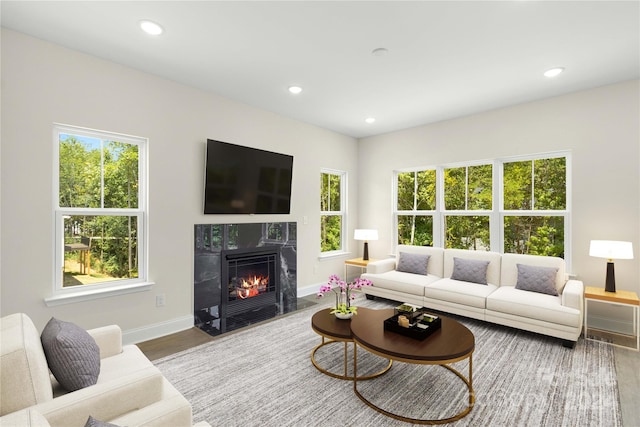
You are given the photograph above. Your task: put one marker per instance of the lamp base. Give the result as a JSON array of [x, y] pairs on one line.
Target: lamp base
[[365, 255], [610, 284]]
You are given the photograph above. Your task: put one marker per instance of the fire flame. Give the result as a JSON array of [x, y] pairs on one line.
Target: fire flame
[[252, 286]]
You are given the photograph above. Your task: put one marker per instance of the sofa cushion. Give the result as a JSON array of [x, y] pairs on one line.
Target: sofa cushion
[[493, 269], [509, 268], [470, 270], [537, 279], [413, 263], [533, 305], [24, 374], [401, 282], [465, 293], [436, 257], [72, 354]]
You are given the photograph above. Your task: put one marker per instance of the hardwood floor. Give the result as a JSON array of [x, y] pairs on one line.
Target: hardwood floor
[[174, 343]]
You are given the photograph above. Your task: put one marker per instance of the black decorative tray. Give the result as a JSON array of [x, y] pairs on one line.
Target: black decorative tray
[[420, 329]]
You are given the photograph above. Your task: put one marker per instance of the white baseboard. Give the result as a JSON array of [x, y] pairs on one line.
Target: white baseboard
[[145, 333], [309, 290], [609, 324]]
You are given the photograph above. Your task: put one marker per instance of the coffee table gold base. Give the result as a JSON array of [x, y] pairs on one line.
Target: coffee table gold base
[[458, 416], [344, 376]]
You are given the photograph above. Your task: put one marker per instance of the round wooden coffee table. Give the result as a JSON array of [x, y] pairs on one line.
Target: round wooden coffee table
[[453, 342], [333, 330]]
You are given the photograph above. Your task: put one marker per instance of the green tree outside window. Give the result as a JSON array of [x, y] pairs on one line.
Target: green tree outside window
[[331, 213]]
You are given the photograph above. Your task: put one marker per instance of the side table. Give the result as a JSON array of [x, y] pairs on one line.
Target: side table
[[619, 298], [356, 262]]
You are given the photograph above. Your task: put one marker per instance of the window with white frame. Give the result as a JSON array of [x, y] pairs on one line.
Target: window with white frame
[[513, 205], [332, 211], [468, 202], [415, 207], [100, 209], [535, 212]]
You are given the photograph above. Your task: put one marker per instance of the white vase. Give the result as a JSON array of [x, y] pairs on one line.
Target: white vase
[[344, 316]]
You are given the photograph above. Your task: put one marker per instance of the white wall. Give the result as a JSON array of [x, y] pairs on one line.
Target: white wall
[[601, 128], [43, 83]]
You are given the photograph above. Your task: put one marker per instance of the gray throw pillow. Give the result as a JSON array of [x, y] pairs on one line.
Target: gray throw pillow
[[92, 422], [72, 354], [413, 263], [537, 279], [470, 270]]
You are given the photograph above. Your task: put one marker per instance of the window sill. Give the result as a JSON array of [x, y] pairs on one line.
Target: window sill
[[92, 294], [332, 255]]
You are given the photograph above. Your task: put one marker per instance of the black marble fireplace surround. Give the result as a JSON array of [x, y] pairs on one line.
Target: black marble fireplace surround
[[263, 254]]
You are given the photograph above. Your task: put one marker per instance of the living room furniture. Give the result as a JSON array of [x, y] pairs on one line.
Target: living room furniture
[[366, 235], [452, 343], [610, 250], [129, 390], [619, 298], [334, 330], [355, 262], [501, 299]]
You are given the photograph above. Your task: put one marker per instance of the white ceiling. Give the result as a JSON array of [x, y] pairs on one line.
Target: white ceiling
[[445, 59]]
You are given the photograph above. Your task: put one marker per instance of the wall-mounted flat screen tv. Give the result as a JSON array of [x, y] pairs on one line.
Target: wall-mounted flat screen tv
[[245, 180]]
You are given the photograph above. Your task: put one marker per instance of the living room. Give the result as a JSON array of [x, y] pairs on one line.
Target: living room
[[44, 83]]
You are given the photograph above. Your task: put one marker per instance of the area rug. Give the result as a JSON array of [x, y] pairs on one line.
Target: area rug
[[263, 376]]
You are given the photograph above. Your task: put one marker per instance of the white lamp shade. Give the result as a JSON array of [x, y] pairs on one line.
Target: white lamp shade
[[611, 249], [365, 234]]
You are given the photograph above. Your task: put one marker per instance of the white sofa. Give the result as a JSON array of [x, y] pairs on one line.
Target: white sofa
[[498, 301], [129, 390]]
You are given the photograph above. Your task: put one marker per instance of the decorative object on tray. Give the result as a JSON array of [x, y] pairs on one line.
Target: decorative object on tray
[[345, 295], [410, 311], [411, 321]]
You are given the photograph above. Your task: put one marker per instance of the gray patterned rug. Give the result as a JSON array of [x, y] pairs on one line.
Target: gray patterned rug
[[262, 376]]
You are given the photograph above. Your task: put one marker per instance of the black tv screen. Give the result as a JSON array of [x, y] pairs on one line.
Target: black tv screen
[[245, 180]]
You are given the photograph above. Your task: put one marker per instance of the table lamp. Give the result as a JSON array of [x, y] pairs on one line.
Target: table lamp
[[366, 235], [611, 249]]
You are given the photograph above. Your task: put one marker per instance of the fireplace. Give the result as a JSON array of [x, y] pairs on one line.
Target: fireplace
[[243, 274], [250, 280]]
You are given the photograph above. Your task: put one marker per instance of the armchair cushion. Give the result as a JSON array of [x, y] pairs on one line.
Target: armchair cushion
[[72, 354], [24, 375]]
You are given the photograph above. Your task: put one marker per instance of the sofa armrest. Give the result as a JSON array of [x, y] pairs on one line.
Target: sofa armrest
[[24, 418], [105, 401], [381, 266], [109, 340], [573, 295]]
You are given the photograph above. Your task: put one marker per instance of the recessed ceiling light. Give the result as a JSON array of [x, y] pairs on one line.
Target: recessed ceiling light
[[151, 27], [553, 72], [381, 51], [295, 89], [370, 120]]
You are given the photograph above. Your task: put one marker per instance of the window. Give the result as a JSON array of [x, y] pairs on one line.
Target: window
[[515, 205], [100, 209], [468, 191], [415, 207], [535, 206], [332, 211]]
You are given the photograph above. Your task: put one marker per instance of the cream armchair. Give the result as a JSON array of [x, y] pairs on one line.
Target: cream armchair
[[129, 390]]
